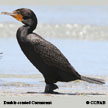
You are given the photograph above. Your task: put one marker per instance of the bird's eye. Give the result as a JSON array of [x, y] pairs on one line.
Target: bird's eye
[[25, 17]]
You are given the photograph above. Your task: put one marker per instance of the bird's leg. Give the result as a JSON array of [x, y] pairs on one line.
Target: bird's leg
[[50, 87]]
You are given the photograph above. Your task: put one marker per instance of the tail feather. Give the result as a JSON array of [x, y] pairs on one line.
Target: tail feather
[[92, 80]]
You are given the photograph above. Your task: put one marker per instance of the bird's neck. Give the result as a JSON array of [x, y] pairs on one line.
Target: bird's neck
[[23, 31]]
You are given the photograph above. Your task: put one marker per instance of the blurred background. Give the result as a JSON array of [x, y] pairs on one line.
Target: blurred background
[[79, 28]]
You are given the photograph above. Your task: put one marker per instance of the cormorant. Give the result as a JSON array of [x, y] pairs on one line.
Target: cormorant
[[46, 57]]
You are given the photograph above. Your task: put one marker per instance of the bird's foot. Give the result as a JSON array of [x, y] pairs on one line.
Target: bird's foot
[[50, 87]]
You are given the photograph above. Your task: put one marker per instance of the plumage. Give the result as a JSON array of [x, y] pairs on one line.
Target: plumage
[[45, 56]]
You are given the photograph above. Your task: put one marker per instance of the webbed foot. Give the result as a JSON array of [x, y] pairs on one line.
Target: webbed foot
[[50, 87]]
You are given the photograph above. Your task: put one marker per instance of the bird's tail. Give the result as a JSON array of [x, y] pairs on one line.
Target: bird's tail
[[92, 80]]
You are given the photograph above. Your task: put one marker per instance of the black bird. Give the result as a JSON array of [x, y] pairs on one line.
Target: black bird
[[46, 57]]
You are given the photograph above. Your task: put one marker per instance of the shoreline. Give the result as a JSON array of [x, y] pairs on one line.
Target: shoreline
[[52, 95]]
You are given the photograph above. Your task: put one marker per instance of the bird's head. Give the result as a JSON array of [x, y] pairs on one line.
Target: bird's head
[[23, 15]]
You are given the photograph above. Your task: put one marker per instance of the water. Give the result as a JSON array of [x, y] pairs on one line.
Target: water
[[81, 33], [64, 14], [88, 57], [77, 22]]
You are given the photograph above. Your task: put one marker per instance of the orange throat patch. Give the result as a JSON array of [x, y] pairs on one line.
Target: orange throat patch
[[18, 17]]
